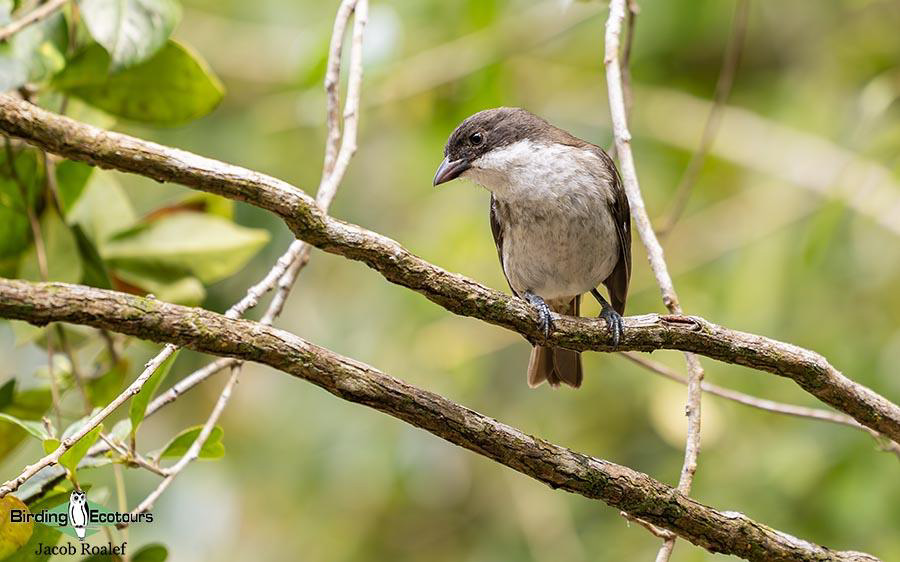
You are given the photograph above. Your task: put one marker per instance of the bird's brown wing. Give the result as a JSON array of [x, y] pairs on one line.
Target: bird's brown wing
[[617, 282], [497, 231]]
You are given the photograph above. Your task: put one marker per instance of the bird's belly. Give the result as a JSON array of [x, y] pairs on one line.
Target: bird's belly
[[559, 253]]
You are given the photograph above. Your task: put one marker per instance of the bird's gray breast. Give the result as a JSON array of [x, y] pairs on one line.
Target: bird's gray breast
[[561, 244]]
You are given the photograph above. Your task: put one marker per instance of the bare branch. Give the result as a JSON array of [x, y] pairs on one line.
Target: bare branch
[[764, 404], [619, 114], [94, 421], [288, 267], [620, 487], [194, 451], [43, 11], [454, 292]]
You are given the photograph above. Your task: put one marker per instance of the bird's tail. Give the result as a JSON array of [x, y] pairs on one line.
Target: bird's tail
[[556, 364], [79, 530]]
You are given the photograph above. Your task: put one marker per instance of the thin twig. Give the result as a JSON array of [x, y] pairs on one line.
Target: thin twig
[[883, 441], [129, 457], [43, 11], [648, 237], [66, 444], [730, 61], [334, 167], [194, 451]]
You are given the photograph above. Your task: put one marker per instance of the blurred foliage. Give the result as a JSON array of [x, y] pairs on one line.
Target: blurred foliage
[[307, 476]]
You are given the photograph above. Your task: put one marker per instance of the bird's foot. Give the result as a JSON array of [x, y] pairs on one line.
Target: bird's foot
[[545, 322], [614, 322]]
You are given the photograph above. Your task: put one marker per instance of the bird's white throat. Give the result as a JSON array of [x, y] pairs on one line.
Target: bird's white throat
[[527, 169]]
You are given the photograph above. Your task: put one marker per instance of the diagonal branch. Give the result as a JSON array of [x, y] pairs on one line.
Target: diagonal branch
[[620, 487], [454, 292], [43, 11]]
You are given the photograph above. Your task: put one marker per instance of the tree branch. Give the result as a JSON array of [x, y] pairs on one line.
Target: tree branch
[[454, 292], [620, 487], [618, 109], [43, 11]]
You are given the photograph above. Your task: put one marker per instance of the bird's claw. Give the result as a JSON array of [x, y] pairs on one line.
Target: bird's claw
[[546, 319], [545, 315], [615, 324]]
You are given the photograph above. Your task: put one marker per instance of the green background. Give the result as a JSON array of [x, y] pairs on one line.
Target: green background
[[768, 245]]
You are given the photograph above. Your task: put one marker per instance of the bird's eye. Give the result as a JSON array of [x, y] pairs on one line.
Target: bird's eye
[[476, 138]]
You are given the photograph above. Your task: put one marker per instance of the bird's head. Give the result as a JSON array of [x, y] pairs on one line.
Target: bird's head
[[492, 146]]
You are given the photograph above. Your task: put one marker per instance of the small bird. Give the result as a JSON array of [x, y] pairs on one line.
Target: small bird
[[560, 220]]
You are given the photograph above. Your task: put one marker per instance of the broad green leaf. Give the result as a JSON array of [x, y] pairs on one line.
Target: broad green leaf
[[213, 448], [130, 30], [15, 232], [13, 536], [34, 428], [70, 458], [172, 87], [140, 400], [26, 405], [103, 389], [71, 179], [205, 246], [188, 291], [103, 208], [95, 273], [61, 252], [154, 552], [34, 53]]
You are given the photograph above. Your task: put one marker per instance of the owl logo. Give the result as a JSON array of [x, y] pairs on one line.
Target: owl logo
[[78, 512]]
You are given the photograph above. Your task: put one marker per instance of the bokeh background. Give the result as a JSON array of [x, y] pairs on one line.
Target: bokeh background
[[793, 231]]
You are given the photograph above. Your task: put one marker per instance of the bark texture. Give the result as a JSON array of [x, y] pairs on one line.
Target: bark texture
[[621, 487], [461, 295]]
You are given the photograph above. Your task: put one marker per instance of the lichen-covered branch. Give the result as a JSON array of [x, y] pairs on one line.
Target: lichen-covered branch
[[621, 487], [454, 292]]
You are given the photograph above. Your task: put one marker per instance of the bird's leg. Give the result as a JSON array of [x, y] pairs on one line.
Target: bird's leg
[[613, 319], [546, 322]]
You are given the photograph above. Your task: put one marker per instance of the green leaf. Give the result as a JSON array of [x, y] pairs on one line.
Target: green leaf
[[61, 252], [13, 536], [71, 179], [15, 232], [173, 87], [176, 289], [70, 458], [140, 400], [154, 552], [103, 389], [130, 30], [205, 246], [34, 428], [103, 208], [213, 448], [95, 273], [26, 405]]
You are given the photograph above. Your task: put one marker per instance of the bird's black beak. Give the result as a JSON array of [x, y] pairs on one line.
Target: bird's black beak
[[450, 169]]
